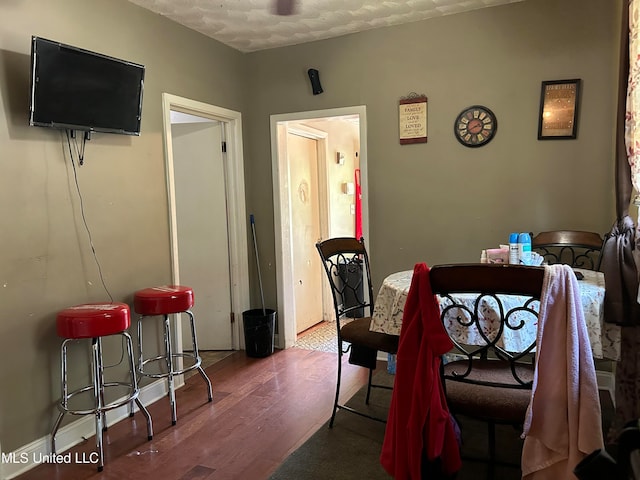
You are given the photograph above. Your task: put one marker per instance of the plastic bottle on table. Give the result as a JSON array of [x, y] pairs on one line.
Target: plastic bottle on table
[[524, 248], [514, 255]]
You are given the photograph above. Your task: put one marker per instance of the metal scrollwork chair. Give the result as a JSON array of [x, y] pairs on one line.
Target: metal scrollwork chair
[[490, 312], [573, 247], [346, 264]]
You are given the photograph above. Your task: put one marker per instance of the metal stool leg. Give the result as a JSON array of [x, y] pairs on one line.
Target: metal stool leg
[[134, 383], [101, 377], [64, 389], [140, 355], [169, 357], [138, 370], [98, 392], [194, 339], [56, 425]]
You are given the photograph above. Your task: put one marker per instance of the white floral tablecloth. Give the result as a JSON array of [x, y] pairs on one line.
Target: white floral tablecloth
[[604, 337]]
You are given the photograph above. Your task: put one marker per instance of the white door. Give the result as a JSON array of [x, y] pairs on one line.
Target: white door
[[202, 230], [305, 229]]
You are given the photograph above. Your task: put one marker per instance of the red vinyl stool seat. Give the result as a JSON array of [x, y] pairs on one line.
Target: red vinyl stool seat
[[94, 321], [164, 301]]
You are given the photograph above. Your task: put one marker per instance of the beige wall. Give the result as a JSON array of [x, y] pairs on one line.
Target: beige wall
[[45, 259], [435, 202], [442, 202]]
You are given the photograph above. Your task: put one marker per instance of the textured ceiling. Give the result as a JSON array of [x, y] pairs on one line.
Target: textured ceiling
[[251, 25]]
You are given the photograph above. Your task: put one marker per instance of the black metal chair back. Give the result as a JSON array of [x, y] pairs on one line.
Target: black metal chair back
[[575, 248], [482, 306], [346, 264]]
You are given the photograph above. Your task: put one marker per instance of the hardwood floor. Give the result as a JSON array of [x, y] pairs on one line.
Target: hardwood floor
[[262, 410]]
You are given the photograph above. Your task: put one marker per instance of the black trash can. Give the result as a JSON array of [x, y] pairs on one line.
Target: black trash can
[[259, 330]]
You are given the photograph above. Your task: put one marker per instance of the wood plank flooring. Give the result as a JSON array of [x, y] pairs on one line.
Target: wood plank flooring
[[263, 409]]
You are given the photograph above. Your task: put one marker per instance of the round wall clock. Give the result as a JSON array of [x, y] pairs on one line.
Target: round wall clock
[[475, 126]]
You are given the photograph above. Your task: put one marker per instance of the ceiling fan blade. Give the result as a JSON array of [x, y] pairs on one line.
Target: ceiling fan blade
[[285, 7]]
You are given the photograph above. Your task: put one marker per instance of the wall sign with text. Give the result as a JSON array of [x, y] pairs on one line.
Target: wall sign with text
[[413, 119]]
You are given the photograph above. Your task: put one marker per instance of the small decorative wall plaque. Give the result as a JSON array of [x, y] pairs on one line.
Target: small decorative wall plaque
[[559, 109], [413, 119]]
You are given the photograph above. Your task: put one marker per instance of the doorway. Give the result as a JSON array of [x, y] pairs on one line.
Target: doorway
[[206, 188], [339, 151], [202, 226]]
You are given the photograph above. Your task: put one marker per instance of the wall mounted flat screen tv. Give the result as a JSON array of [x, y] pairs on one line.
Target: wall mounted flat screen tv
[[77, 89]]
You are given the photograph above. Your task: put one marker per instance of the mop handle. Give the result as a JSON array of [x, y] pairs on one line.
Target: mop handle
[[255, 245]]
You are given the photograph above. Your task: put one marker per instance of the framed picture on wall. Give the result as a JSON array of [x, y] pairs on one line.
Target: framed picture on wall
[[558, 118]]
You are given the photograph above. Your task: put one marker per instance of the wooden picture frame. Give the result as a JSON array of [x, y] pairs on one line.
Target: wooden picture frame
[[558, 118], [412, 117]]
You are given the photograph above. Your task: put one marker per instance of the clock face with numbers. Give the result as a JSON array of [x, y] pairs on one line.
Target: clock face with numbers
[[475, 126]]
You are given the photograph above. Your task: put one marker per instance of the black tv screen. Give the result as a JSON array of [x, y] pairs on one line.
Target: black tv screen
[[78, 89]]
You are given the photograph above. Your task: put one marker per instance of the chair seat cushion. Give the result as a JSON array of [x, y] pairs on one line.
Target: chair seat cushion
[[357, 332], [500, 404]]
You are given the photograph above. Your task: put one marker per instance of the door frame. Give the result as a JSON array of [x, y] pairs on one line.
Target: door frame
[[281, 209], [236, 209]]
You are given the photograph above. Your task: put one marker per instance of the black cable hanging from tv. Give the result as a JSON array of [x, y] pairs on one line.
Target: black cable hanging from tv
[[79, 150], [71, 134]]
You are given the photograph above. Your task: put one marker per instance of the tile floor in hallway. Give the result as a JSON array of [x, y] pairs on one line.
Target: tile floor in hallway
[[320, 337]]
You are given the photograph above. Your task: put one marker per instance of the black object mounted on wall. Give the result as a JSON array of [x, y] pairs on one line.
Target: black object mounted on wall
[[77, 89], [314, 76], [285, 7]]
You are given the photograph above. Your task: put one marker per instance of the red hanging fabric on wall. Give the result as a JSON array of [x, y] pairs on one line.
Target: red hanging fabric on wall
[[358, 204]]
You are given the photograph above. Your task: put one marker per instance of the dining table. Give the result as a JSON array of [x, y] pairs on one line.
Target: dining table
[[603, 337]]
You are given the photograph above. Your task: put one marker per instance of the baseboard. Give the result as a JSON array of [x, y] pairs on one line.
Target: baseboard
[[28, 456]]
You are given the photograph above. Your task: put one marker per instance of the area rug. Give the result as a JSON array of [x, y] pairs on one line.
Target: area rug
[[347, 451], [351, 449]]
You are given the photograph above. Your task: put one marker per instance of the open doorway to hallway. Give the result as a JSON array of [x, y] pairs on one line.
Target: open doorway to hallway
[[319, 180]]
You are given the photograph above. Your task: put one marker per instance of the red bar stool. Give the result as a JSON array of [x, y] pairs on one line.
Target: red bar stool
[[94, 321], [164, 301]]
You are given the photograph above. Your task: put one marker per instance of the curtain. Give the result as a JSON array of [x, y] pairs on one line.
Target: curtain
[[632, 64], [620, 252], [618, 263]]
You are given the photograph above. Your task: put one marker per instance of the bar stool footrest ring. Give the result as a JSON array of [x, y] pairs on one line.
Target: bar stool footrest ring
[[196, 359], [63, 405]]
